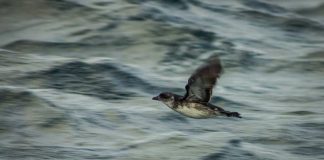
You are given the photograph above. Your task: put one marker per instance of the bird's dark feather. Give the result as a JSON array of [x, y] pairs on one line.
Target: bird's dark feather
[[201, 82]]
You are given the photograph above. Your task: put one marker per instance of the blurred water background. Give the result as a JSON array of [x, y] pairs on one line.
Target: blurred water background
[[77, 77]]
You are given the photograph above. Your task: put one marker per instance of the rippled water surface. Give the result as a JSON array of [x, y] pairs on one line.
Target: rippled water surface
[[77, 78]]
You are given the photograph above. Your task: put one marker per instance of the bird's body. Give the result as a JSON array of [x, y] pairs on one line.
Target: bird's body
[[195, 103], [192, 109], [195, 110]]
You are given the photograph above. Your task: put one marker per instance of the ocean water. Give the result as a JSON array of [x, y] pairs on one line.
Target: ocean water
[[77, 78]]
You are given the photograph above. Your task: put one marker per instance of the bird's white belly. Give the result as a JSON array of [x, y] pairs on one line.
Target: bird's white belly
[[193, 112]]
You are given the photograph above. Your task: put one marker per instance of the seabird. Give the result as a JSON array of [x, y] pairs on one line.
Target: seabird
[[195, 103]]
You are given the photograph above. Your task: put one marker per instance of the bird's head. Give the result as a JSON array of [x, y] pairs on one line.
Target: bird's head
[[165, 97]]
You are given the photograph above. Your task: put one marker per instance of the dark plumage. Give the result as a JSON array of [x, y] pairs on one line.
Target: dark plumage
[[195, 103]]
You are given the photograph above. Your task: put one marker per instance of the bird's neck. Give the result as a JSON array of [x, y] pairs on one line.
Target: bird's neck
[[178, 101], [170, 104]]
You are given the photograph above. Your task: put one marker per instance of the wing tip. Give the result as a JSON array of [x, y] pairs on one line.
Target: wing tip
[[216, 61]]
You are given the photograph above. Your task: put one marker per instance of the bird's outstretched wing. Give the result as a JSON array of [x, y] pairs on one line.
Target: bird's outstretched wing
[[201, 82]]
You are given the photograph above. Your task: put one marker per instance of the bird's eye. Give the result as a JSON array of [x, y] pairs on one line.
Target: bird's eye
[[163, 95]]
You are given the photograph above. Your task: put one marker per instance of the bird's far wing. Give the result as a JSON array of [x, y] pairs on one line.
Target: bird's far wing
[[201, 82]]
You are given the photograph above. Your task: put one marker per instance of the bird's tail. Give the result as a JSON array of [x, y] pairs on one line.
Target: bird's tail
[[226, 113], [231, 114]]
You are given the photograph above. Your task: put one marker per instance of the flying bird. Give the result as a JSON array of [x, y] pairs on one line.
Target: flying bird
[[195, 103]]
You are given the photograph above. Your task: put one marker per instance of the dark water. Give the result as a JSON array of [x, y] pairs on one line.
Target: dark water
[[77, 77]]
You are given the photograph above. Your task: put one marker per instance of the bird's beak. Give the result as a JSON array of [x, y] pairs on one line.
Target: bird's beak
[[155, 98]]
